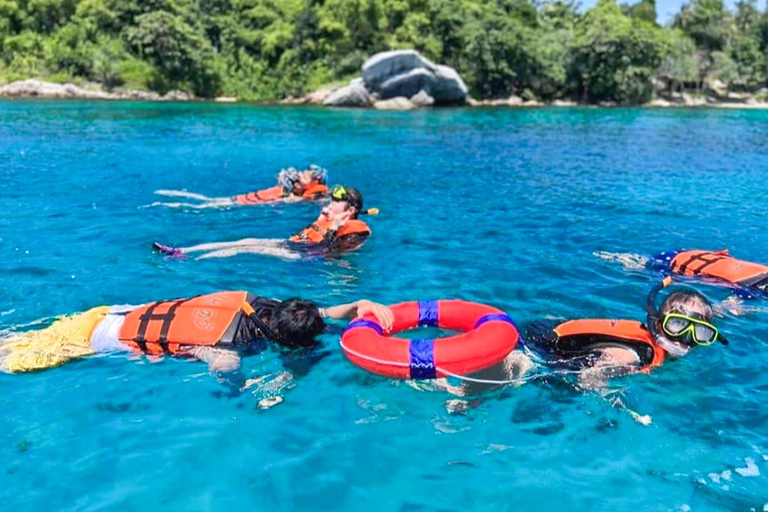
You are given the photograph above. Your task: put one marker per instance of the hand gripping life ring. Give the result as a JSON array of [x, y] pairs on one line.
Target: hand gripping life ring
[[487, 336]]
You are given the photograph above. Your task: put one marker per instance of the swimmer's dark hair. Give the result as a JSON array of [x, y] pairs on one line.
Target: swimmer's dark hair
[[297, 323], [687, 302], [355, 199]]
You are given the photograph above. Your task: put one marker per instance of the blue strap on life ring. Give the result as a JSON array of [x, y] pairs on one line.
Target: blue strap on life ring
[[422, 359], [500, 317], [365, 324], [495, 317], [428, 313]]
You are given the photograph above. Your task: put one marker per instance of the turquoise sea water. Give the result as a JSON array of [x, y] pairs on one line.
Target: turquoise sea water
[[502, 207]]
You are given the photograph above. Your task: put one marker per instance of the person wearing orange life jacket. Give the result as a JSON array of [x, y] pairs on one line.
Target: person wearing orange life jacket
[[217, 328], [338, 227], [336, 230], [599, 349], [748, 280], [292, 185]]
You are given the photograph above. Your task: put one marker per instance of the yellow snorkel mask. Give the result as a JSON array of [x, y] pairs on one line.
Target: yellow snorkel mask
[[680, 327], [339, 193]]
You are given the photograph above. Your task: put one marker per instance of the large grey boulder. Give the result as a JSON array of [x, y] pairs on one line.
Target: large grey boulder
[[353, 95], [407, 84], [385, 65], [403, 73], [449, 87]]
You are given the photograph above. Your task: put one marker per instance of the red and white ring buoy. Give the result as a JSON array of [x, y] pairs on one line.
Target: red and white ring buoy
[[487, 336]]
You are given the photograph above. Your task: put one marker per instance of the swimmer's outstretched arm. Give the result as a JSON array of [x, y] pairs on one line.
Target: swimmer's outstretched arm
[[359, 308], [223, 365], [220, 360], [615, 364]]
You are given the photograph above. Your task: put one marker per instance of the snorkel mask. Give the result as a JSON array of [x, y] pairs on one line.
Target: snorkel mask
[[680, 331], [339, 193]]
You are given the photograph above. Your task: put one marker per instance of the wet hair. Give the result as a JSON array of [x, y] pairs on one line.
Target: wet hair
[[319, 174], [688, 302], [355, 199], [287, 178], [297, 323]]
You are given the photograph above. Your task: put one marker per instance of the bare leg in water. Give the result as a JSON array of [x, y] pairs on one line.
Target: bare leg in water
[[207, 202], [627, 260], [265, 246]]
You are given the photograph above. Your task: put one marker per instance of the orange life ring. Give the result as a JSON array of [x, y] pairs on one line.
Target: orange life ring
[[487, 336]]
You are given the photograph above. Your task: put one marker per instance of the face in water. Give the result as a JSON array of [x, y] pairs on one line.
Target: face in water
[[335, 209], [685, 323], [300, 184]]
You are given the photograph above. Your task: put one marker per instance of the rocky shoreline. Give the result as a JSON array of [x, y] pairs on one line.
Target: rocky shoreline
[[685, 101], [33, 88]]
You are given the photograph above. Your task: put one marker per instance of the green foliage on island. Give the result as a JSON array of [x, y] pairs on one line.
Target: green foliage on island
[[268, 49]]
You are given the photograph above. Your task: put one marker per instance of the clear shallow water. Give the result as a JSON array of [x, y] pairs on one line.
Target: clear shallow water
[[503, 207]]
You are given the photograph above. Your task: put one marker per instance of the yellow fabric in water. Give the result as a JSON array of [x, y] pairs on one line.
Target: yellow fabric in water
[[67, 338]]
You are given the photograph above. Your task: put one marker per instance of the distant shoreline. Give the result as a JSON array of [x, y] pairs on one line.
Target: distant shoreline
[[38, 89]]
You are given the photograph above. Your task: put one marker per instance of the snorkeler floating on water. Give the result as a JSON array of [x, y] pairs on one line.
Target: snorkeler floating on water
[[217, 328], [599, 349], [336, 230], [292, 185], [595, 349], [748, 280]]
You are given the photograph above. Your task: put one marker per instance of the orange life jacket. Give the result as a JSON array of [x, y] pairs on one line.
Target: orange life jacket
[[261, 196], [206, 320], [275, 193], [717, 264], [580, 335], [314, 190], [315, 233]]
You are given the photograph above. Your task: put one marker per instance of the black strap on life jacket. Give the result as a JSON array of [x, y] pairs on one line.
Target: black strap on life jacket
[[703, 258], [166, 318]]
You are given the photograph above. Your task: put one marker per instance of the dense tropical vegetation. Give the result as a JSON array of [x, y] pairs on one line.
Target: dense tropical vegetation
[[266, 49]]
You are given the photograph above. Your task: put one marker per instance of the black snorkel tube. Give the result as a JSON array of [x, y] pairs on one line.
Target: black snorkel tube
[[265, 329], [654, 313]]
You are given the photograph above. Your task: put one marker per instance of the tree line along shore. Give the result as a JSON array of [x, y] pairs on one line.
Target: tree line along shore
[[508, 52]]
